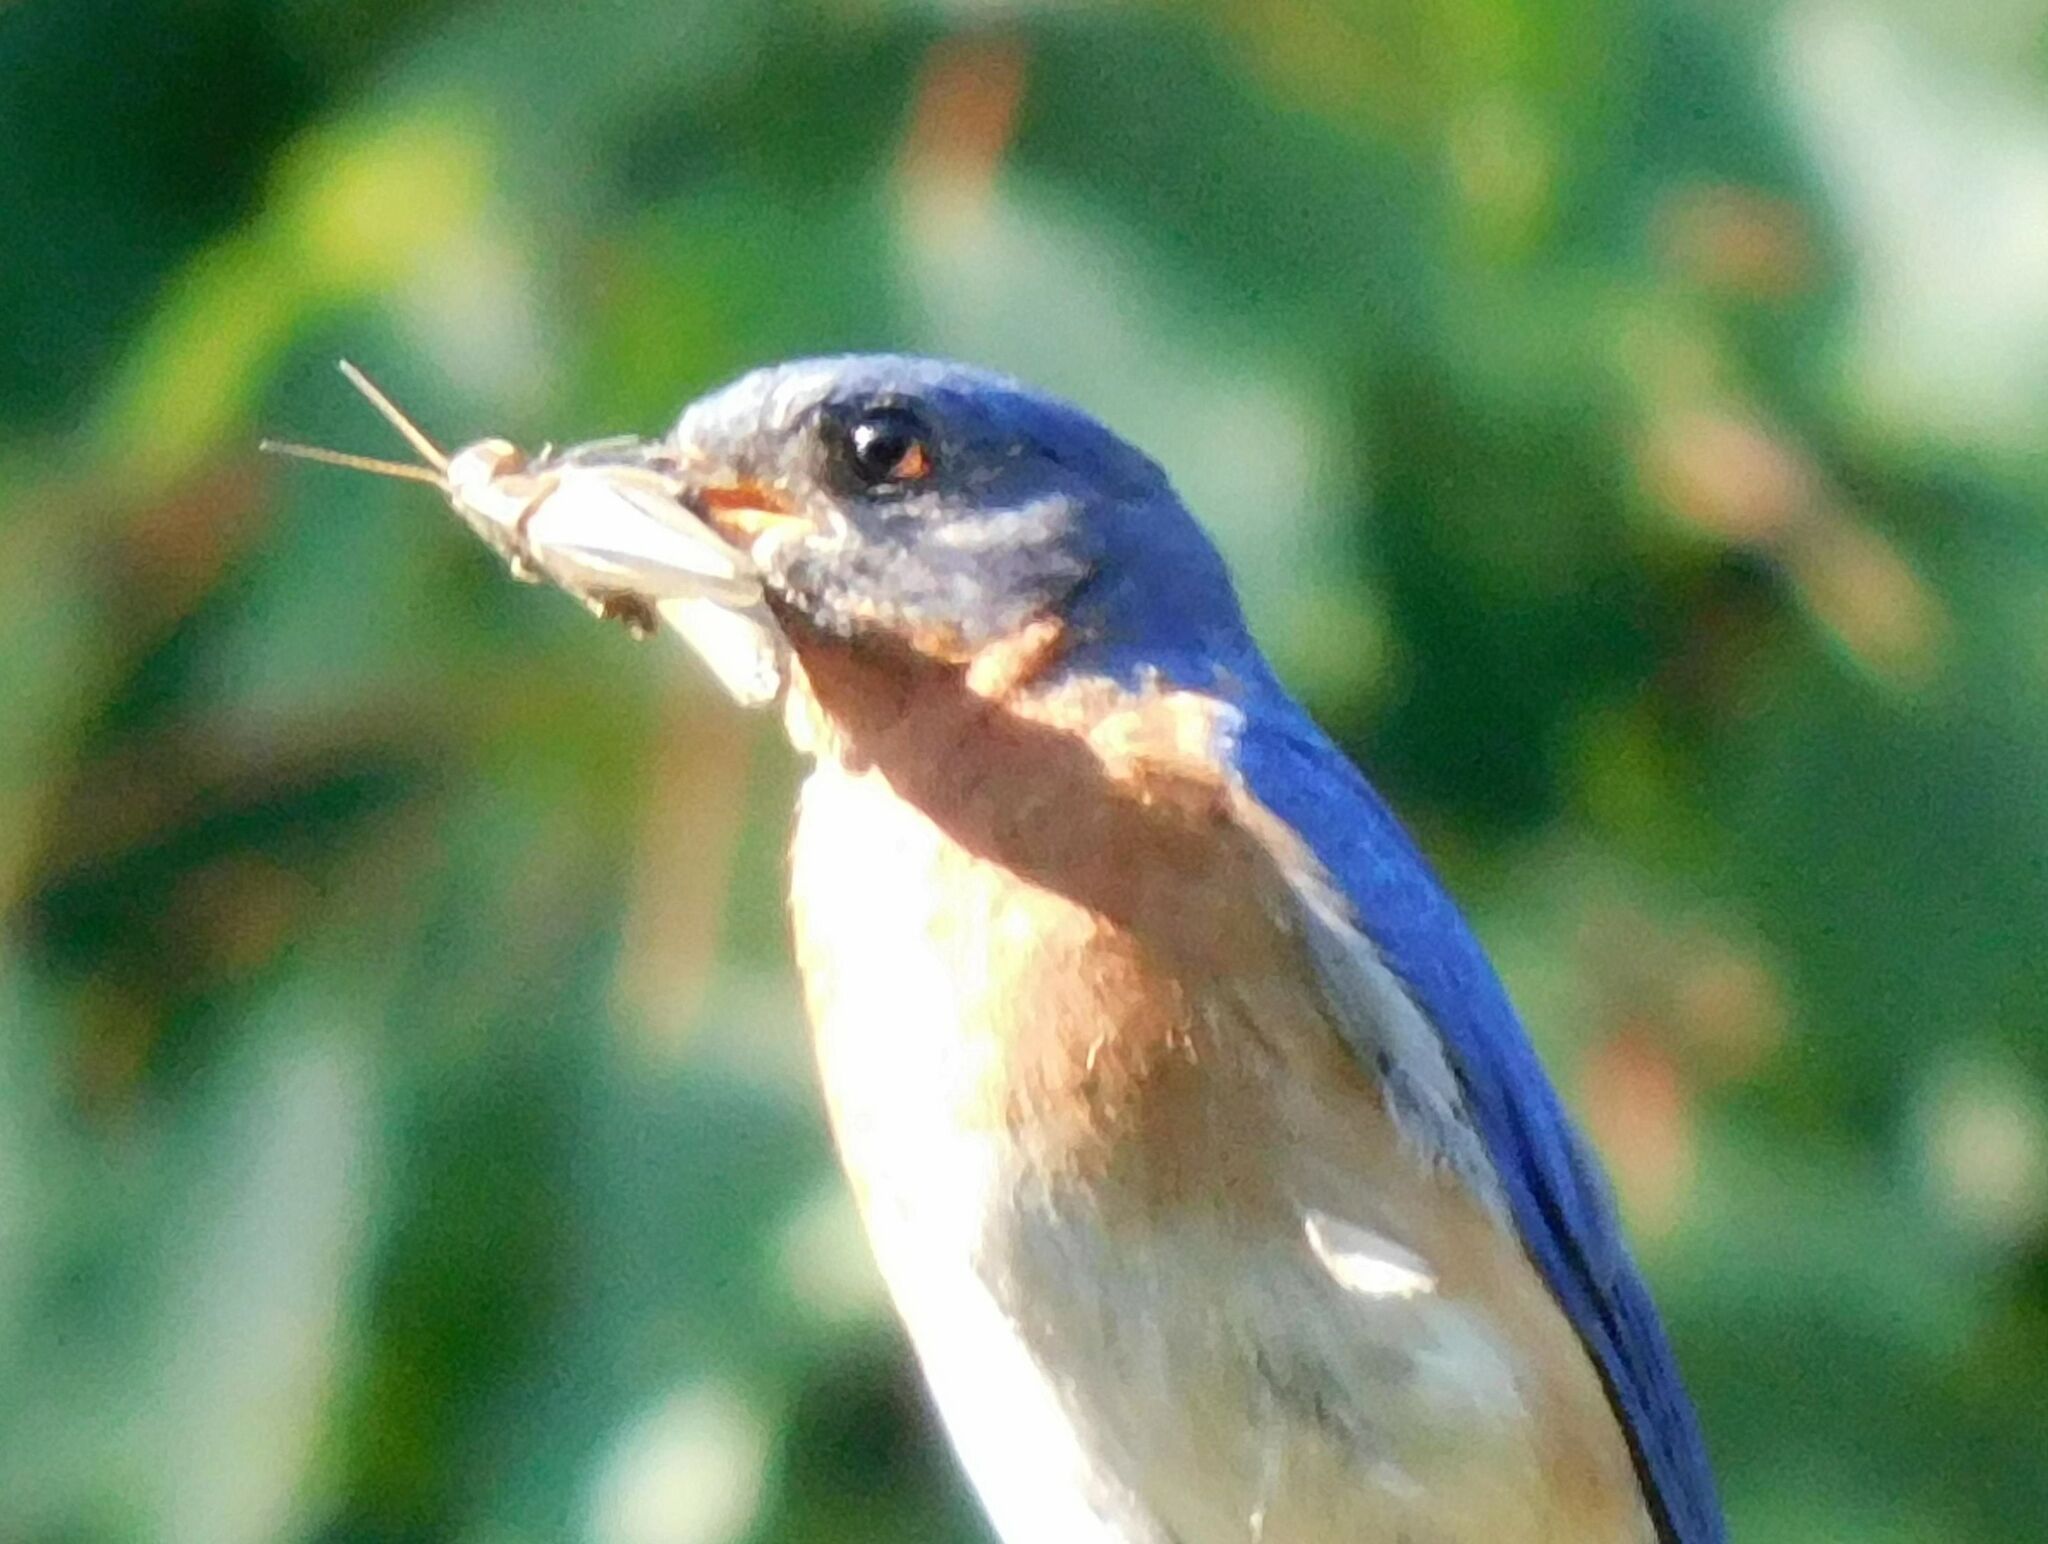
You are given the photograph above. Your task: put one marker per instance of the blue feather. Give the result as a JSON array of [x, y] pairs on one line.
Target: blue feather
[[1554, 1188]]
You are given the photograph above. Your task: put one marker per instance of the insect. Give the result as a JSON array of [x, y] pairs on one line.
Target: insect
[[609, 522]]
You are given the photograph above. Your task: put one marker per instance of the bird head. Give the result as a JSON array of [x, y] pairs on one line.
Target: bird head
[[909, 505]]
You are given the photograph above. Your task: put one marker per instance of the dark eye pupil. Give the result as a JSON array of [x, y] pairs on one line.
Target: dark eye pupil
[[887, 445]]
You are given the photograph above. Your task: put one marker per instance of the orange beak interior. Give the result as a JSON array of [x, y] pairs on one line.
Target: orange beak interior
[[740, 512]]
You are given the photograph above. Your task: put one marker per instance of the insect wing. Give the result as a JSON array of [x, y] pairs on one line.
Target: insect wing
[[741, 646], [610, 528]]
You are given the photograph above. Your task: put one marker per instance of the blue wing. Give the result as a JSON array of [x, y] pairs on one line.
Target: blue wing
[[1554, 1189]]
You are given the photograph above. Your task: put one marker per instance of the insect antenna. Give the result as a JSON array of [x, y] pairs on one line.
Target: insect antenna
[[429, 452], [404, 469], [434, 473]]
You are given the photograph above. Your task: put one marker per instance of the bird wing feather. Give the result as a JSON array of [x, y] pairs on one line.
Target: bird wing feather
[[1553, 1190]]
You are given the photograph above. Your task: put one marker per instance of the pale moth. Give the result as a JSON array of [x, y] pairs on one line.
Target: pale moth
[[609, 522]]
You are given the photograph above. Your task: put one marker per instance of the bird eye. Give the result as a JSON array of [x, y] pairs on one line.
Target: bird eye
[[888, 445]]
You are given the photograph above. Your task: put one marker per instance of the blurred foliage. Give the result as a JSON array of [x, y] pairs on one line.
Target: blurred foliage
[[1625, 416]]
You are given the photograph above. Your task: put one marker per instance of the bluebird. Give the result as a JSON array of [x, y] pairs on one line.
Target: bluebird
[[1216, 1183], [1207, 1163]]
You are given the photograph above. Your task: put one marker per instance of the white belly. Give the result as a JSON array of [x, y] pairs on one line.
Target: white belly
[[1010, 1414], [934, 1195]]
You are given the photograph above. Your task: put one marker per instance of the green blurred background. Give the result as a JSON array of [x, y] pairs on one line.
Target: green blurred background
[[1627, 420]]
